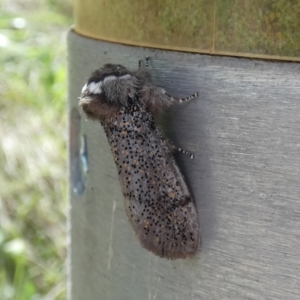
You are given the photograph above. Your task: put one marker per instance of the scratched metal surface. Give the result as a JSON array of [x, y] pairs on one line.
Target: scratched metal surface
[[245, 132]]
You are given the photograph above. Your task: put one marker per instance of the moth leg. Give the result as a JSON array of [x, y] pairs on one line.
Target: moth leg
[[181, 100], [172, 147], [154, 97], [147, 61], [191, 155], [141, 62], [157, 98]]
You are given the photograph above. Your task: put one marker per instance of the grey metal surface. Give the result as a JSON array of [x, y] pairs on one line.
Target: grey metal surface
[[244, 130]]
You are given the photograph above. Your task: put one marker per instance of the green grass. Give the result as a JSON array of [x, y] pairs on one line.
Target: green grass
[[33, 193]]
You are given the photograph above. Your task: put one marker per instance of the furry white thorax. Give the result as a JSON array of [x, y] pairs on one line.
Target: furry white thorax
[[126, 76], [84, 88], [95, 87], [109, 78]]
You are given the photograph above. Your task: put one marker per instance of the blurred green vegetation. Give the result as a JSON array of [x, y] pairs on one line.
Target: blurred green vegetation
[[33, 131]]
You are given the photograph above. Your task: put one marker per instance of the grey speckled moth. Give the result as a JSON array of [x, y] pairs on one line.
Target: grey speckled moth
[[158, 203]]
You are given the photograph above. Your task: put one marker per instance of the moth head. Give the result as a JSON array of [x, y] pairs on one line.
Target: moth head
[[107, 91]]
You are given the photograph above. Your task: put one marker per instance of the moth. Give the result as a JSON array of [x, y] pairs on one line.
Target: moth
[[158, 202]]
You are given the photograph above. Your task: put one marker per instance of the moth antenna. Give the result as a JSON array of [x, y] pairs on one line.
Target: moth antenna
[[181, 100]]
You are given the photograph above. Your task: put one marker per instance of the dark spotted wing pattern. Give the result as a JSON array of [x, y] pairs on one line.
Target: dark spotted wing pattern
[[157, 200]]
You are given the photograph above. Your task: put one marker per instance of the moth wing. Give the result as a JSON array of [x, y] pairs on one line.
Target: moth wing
[[157, 200]]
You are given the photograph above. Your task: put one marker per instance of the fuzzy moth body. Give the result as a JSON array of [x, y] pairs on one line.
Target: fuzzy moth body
[[158, 203]]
